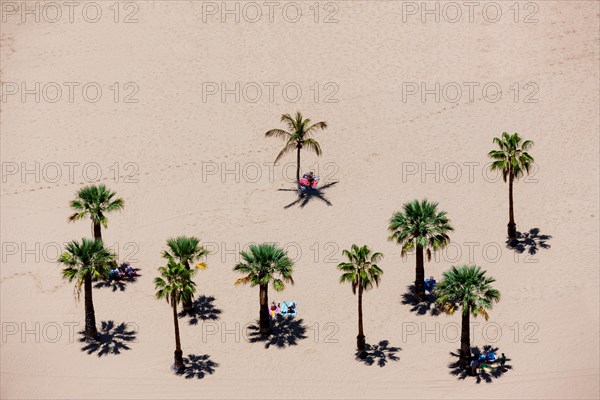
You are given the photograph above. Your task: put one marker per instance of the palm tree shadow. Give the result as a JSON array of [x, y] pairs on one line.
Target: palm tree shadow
[[120, 284], [379, 354], [420, 306], [203, 310], [112, 339], [309, 193], [197, 366], [487, 373], [285, 332], [530, 242]]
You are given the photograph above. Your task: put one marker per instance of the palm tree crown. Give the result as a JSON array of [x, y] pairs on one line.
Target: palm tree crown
[[174, 283], [362, 269], [86, 259], [512, 157], [95, 202], [265, 263], [185, 249], [420, 224], [298, 134], [469, 288]]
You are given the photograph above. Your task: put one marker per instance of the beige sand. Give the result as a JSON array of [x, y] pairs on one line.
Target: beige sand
[[175, 140]]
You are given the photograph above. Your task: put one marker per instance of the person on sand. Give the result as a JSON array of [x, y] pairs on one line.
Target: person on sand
[[474, 364], [310, 178], [502, 362], [273, 308]]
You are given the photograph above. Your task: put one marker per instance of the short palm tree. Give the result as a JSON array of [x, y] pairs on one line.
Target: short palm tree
[[186, 250], [470, 289], [95, 202], [264, 264], [422, 227], [175, 285], [297, 137], [513, 160], [85, 262], [362, 272]]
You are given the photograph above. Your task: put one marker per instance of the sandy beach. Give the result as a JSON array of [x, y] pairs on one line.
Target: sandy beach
[[167, 104]]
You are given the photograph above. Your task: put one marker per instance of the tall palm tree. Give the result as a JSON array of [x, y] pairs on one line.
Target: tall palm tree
[[95, 202], [297, 137], [470, 289], [185, 250], [85, 262], [422, 227], [362, 272], [514, 162], [175, 285], [263, 264]]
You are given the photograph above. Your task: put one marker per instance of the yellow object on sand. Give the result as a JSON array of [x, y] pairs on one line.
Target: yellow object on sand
[[201, 265]]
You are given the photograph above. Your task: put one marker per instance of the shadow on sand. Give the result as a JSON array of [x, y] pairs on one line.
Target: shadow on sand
[[530, 242], [203, 310], [486, 372], [420, 306], [120, 284], [197, 366], [112, 339], [285, 332], [378, 354], [308, 194]]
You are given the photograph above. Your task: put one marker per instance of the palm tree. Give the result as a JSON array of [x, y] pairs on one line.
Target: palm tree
[[85, 262], [422, 227], [362, 272], [175, 285], [265, 263], [466, 287], [185, 250], [95, 202], [514, 162], [297, 137]]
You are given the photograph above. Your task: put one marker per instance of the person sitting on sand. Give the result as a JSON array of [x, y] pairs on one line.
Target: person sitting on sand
[[130, 271], [310, 178], [114, 274], [502, 362]]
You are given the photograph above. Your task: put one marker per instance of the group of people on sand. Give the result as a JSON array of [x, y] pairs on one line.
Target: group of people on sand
[[276, 309], [123, 271], [484, 361]]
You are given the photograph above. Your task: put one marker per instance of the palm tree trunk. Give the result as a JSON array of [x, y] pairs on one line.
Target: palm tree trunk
[[512, 227], [91, 333], [420, 273], [97, 231], [178, 352], [264, 323], [465, 339], [298, 166], [188, 304], [360, 339]]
